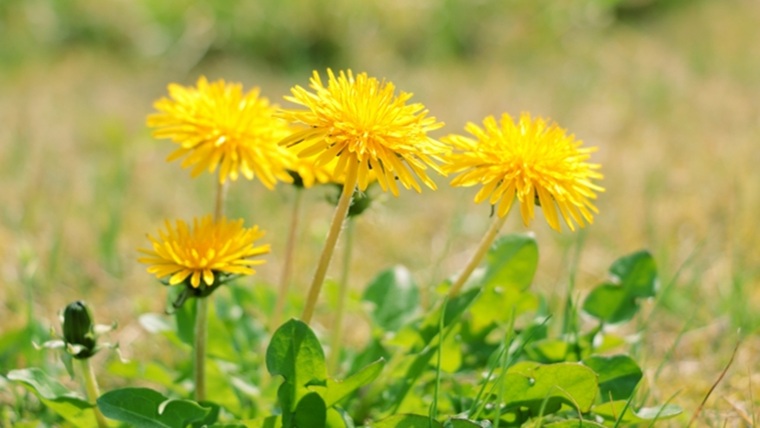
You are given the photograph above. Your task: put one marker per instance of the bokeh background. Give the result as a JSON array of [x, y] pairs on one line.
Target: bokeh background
[[669, 90]]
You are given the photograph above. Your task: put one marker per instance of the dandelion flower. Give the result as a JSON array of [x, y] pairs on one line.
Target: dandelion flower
[[307, 172], [203, 251], [361, 124], [533, 160], [218, 126]]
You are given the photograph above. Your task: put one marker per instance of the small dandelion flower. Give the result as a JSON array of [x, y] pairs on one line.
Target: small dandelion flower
[[197, 255], [306, 172], [533, 160], [218, 126], [359, 122]]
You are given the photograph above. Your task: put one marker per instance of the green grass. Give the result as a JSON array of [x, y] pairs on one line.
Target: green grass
[[669, 96]]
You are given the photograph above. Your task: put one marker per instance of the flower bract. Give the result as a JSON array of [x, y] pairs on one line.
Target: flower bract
[[359, 122], [218, 126], [197, 254], [531, 160]]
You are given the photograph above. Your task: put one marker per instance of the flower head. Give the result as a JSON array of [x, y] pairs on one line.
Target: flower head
[[307, 172], [534, 160], [217, 125], [359, 122], [204, 251]]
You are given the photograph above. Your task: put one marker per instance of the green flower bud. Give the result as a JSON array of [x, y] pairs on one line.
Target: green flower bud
[[360, 202], [79, 330]]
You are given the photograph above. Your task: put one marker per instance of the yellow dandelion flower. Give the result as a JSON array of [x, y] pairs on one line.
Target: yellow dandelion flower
[[308, 172], [534, 160], [218, 126], [203, 251], [359, 122]]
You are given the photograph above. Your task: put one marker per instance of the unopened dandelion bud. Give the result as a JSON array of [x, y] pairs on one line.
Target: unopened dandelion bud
[[79, 330]]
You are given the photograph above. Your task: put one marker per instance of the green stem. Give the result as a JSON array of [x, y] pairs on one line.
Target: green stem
[[332, 238], [337, 337], [482, 250], [201, 314], [199, 366], [287, 266], [91, 385]]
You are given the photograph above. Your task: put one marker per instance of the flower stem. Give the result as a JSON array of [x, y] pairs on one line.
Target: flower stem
[[332, 238], [91, 385], [287, 266], [201, 313], [337, 328], [199, 368], [483, 248]]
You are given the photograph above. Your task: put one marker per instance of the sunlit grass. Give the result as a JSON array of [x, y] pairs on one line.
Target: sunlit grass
[[670, 100]]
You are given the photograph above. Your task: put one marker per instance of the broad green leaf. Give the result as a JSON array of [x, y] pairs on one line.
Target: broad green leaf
[[511, 262], [611, 411], [147, 408], [544, 388], [548, 350], [310, 411], [631, 278], [395, 297], [43, 385], [406, 421], [211, 417], [338, 418], [64, 402], [337, 390], [618, 376], [296, 354], [510, 266]]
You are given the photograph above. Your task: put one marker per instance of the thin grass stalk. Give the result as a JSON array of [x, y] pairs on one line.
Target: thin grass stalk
[[337, 338], [332, 238], [482, 250], [287, 266], [93, 392]]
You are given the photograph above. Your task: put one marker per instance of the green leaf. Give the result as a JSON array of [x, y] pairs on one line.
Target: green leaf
[[338, 418], [148, 408], [544, 388], [337, 390], [43, 385], [618, 375], [612, 411], [510, 266], [511, 262], [632, 277], [395, 298], [64, 402], [296, 354], [548, 350], [406, 421], [310, 411]]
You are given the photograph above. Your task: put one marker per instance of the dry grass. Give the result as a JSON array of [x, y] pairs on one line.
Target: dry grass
[[672, 102]]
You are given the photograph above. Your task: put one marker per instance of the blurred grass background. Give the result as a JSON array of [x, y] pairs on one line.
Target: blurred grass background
[[667, 89]]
